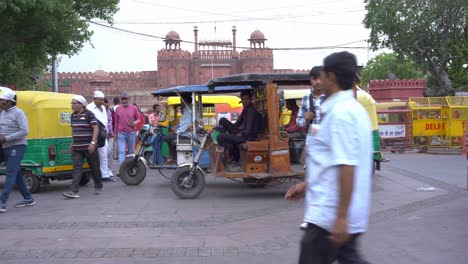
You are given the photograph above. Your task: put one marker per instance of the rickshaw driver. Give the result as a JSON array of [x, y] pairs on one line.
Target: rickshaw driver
[[180, 129], [244, 129]]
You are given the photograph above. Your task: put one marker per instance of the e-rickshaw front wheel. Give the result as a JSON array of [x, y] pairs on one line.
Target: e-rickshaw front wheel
[[132, 172], [187, 186]]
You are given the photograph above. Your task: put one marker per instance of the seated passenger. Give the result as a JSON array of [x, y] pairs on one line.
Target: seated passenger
[[296, 133], [182, 129], [244, 129]]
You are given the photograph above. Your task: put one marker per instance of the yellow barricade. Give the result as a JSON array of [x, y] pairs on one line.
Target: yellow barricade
[[438, 121], [456, 114]]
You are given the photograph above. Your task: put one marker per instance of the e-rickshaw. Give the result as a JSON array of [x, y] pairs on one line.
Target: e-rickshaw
[[262, 161], [48, 155]]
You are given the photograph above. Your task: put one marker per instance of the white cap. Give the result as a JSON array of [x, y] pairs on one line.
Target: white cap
[[98, 94], [8, 95], [80, 99]]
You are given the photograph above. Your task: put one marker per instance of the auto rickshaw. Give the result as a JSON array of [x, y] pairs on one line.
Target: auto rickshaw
[[262, 161], [48, 155]]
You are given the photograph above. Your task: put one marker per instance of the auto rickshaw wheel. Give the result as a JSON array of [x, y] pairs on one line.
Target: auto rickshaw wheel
[[185, 188], [85, 178], [132, 172], [32, 181]]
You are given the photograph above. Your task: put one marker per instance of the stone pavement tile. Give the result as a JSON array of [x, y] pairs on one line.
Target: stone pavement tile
[[165, 252], [187, 231], [132, 242], [84, 253], [119, 253], [178, 252], [176, 241], [151, 253], [106, 232], [221, 241], [430, 235], [7, 234], [158, 217], [99, 252], [217, 252], [192, 252], [99, 218], [204, 252], [138, 252]]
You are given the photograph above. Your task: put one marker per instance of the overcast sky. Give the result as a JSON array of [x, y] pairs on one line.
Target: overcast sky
[[286, 24]]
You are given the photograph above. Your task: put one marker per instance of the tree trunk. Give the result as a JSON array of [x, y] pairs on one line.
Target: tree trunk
[[444, 80]]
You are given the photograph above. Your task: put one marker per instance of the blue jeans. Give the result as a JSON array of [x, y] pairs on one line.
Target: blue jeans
[[13, 156], [124, 139], [157, 150]]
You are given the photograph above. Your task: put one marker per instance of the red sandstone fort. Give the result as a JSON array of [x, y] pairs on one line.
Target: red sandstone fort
[[176, 67], [208, 60]]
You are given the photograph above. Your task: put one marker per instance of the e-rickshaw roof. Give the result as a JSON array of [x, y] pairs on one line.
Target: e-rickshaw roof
[[199, 89], [257, 79]]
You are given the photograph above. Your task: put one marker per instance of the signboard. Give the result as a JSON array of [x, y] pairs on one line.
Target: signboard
[[392, 131]]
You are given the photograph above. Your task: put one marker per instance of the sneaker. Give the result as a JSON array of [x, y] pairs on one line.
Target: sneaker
[[97, 191], [2, 208], [25, 203], [71, 195], [304, 226]]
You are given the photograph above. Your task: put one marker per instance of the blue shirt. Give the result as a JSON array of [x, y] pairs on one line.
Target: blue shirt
[[185, 121]]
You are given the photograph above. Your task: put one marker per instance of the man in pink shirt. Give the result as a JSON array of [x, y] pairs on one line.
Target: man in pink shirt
[[127, 118]]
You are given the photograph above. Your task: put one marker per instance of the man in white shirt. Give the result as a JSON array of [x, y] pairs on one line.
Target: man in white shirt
[[99, 110], [338, 175]]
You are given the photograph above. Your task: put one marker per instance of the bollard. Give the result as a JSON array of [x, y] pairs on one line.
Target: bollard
[[464, 144]]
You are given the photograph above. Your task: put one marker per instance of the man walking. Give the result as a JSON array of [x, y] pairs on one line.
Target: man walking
[[84, 139], [110, 137], [99, 110], [309, 113], [338, 174], [127, 117], [13, 131]]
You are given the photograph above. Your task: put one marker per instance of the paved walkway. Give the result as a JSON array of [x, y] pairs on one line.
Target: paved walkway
[[232, 223]]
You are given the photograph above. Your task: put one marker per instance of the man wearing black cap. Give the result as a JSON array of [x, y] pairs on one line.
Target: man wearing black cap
[[244, 129]]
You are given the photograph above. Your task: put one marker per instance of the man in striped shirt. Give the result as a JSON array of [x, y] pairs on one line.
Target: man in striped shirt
[[84, 133]]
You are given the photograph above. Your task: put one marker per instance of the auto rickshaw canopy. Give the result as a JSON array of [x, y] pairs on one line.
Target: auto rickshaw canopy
[[48, 113]]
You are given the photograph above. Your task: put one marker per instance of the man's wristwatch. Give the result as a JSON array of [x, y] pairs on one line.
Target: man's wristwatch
[[92, 142]]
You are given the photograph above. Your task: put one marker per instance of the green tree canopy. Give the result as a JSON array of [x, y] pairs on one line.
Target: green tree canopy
[[33, 31], [434, 33], [383, 64]]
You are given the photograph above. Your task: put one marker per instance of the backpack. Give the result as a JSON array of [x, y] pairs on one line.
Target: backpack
[[102, 134]]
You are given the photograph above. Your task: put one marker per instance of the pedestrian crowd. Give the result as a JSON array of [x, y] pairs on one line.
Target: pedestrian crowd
[[119, 124]]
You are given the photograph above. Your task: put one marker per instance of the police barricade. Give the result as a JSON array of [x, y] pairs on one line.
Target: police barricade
[[395, 129], [429, 128], [455, 114]]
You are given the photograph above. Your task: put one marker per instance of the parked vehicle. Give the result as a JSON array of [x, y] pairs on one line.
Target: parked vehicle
[[48, 155]]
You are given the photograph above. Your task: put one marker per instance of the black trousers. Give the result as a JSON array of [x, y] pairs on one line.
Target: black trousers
[[231, 140], [171, 140], [93, 161], [316, 248]]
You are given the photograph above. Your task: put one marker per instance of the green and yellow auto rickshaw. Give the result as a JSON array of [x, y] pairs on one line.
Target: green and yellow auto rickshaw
[[48, 155]]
